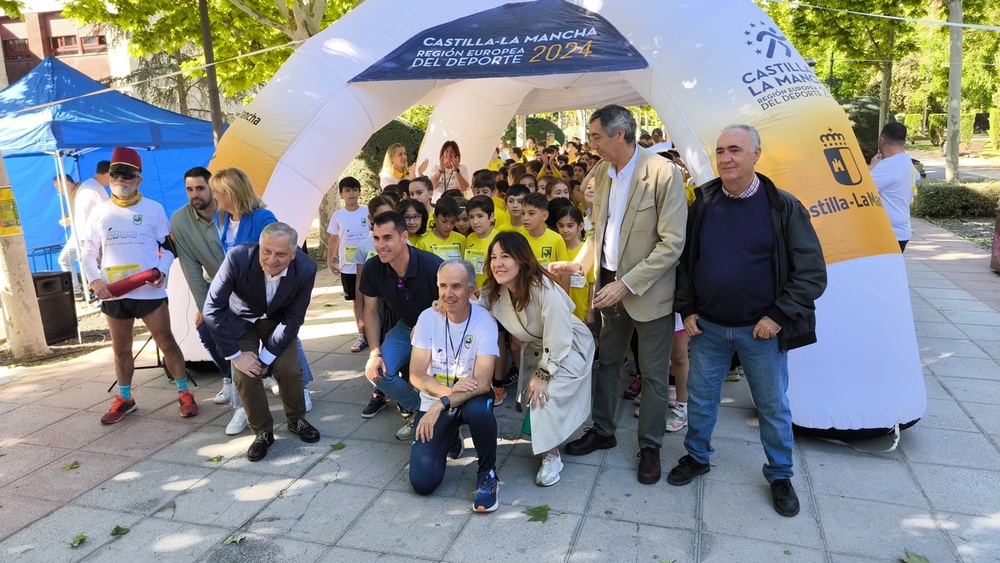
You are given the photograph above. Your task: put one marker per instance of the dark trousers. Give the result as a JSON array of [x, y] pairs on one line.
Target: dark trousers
[[656, 338], [286, 369], [428, 459], [209, 343]]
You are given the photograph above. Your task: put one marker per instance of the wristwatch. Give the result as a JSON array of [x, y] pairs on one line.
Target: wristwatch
[[446, 402]]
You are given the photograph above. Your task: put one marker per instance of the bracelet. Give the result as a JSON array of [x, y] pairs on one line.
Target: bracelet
[[543, 375], [375, 355]]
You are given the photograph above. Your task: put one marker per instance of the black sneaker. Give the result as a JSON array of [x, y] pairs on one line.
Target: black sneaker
[[686, 470], [376, 404], [786, 502], [511, 377]]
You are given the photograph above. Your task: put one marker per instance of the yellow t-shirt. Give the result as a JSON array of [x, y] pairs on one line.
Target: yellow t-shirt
[[498, 204], [579, 288], [501, 219], [549, 247], [554, 173], [476, 250], [453, 247]]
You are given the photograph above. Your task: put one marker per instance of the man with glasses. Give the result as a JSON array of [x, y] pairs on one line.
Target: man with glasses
[[405, 279], [131, 235]]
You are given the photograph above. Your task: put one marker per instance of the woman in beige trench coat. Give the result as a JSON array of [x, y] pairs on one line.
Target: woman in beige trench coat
[[557, 348]]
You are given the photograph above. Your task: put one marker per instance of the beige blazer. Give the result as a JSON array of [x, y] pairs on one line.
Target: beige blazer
[[652, 233]]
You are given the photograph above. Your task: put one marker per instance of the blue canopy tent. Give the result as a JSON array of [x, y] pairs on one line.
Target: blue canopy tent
[[56, 112]]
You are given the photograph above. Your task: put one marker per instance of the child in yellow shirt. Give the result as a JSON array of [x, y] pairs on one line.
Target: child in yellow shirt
[[443, 240]]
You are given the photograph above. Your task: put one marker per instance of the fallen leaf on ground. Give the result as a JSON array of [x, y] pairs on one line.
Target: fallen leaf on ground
[[119, 531], [80, 538], [788, 552], [337, 447], [538, 513], [235, 538], [215, 459], [72, 465], [911, 557]]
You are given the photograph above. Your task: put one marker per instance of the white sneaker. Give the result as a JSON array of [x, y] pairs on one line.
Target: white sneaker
[[226, 393], [677, 418], [309, 401], [271, 383], [548, 474], [238, 423], [406, 431]]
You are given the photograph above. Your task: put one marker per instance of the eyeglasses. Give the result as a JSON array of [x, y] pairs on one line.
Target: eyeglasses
[[122, 175], [406, 292], [412, 217]]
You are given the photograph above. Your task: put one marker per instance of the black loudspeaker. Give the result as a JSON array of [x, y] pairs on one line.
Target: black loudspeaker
[[56, 303]]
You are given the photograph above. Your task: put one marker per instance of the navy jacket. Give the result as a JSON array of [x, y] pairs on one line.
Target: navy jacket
[[237, 296]]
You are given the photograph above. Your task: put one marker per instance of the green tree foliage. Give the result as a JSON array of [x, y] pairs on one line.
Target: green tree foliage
[[535, 127], [937, 198], [913, 122], [238, 27], [11, 8], [966, 123], [995, 127], [936, 125], [863, 114]]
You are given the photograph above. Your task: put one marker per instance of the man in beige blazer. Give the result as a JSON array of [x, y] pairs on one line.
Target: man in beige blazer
[[640, 213]]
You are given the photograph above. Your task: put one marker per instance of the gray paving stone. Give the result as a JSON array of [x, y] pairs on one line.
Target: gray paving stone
[[16, 512], [54, 482], [618, 496], [601, 539], [313, 511], [987, 416], [426, 529], [942, 348], [930, 315], [28, 419], [915, 529], [977, 538], [934, 388], [989, 318], [223, 498], [959, 489], [143, 488], [256, 547], [946, 414], [978, 332], [938, 330], [162, 540], [969, 390], [943, 293], [541, 541], [20, 459], [570, 494], [372, 464], [951, 447], [49, 539], [287, 457], [747, 510], [853, 474], [722, 548], [966, 367], [341, 554], [946, 305]]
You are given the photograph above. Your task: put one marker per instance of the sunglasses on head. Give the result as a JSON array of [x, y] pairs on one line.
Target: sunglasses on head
[[119, 175]]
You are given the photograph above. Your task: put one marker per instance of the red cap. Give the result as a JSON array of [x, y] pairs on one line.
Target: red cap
[[123, 155]]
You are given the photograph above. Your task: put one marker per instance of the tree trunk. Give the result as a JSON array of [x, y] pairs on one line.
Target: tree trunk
[[886, 86], [182, 101], [17, 290], [951, 171]]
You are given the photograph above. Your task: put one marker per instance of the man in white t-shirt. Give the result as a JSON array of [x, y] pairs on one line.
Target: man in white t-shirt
[[89, 194], [348, 227], [452, 366], [896, 179]]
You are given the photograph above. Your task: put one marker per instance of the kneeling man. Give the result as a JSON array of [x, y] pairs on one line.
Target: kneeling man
[[254, 309], [452, 367]]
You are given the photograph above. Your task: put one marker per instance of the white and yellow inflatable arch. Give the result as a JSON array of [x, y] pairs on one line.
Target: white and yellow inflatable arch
[[701, 65]]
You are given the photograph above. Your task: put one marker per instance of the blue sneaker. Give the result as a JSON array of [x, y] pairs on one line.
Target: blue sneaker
[[486, 495]]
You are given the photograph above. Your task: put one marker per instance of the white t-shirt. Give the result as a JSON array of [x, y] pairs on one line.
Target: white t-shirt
[[895, 177], [129, 238], [662, 146], [352, 228], [89, 194], [366, 250], [447, 181], [454, 349]]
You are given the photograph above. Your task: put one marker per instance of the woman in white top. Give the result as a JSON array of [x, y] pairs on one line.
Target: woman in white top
[[395, 167], [449, 172]]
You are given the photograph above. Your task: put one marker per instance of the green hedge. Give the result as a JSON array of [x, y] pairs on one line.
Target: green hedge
[[938, 198], [863, 114], [534, 127], [995, 127], [937, 123], [966, 124], [913, 123]]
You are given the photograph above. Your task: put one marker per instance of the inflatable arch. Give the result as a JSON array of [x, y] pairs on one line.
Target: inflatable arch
[[701, 65]]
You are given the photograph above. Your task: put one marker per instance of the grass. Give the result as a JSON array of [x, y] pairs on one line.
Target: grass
[[989, 151]]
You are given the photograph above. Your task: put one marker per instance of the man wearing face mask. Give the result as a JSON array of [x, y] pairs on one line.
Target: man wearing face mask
[[131, 235]]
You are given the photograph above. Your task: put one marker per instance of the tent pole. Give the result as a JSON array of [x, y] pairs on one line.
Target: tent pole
[[68, 212]]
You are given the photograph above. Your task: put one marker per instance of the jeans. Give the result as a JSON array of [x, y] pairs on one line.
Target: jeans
[[396, 350], [209, 343], [428, 459], [766, 370]]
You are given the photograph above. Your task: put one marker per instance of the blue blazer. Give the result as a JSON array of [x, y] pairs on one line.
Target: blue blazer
[[237, 297], [249, 230]]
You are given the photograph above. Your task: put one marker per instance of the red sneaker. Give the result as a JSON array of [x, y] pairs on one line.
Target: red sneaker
[[119, 409], [188, 406]]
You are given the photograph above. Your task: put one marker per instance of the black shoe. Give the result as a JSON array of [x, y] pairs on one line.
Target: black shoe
[[590, 442], [511, 377], [258, 449], [376, 404], [649, 466], [457, 446], [686, 470], [403, 412], [305, 431], [786, 502]]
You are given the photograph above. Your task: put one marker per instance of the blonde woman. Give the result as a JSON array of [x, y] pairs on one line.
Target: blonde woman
[[395, 167]]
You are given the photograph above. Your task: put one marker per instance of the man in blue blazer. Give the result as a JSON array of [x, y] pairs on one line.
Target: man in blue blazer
[[254, 309]]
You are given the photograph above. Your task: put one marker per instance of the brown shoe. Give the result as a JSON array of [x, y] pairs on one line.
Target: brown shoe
[[649, 465]]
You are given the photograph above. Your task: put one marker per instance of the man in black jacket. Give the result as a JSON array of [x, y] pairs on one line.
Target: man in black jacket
[[751, 271]]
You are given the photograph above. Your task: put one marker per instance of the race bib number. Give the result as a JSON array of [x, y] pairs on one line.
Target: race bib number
[[371, 254], [118, 273], [447, 251], [446, 380], [578, 281], [477, 258], [349, 253]]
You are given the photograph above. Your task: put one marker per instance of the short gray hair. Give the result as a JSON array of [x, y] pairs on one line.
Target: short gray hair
[[615, 118], [470, 271], [280, 230], [754, 135]]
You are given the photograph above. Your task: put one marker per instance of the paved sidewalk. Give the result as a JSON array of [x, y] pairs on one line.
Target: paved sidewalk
[[938, 495]]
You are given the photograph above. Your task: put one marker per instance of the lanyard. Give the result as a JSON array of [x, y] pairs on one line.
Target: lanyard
[[449, 345]]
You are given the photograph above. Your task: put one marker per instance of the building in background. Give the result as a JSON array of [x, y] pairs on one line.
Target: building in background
[[43, 31]]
